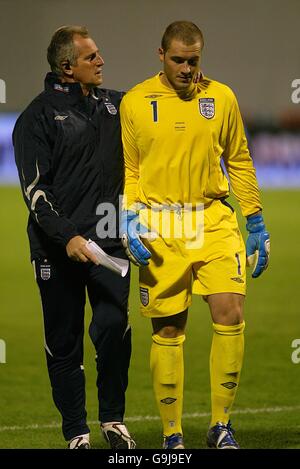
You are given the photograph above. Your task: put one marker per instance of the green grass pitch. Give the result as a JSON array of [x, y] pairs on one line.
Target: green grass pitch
[[267, 408]]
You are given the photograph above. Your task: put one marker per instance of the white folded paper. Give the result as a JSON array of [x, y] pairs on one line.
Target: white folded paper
[[120, 266]]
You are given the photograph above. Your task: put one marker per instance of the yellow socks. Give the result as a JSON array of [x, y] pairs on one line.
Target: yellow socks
[[166, 363], [226, 360]]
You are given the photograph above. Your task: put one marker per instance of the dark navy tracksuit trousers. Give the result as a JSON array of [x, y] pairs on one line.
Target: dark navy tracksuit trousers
[[63, 286]]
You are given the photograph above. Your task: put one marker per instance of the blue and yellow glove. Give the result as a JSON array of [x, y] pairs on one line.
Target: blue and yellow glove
[[131, 233], [258, 245]]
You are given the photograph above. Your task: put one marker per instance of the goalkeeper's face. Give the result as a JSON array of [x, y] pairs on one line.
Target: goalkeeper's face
[[181, 64], [88, 68]]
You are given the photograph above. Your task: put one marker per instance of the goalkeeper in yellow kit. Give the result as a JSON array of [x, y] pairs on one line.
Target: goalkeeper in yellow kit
[[177, 129]]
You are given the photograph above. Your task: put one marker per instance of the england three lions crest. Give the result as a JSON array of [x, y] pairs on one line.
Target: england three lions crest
[[207, 107], [45, 272]]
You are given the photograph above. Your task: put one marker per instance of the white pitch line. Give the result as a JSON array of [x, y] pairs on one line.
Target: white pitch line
[[140, 418]]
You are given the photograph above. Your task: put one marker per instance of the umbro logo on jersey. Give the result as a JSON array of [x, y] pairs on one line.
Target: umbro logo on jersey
[[60, 118], [237, 279], [207, 107], [229, 385], [152, 96], [168, 400]]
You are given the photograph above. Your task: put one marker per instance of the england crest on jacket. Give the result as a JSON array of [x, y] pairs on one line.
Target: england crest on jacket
[[110, 107], [45, 272], [207, 107]]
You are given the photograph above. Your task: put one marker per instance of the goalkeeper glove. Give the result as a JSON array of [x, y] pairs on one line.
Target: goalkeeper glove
[[258, 245], [131, 233]]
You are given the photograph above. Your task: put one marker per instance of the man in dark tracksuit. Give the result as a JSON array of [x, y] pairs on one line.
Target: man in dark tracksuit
[[69, 156]]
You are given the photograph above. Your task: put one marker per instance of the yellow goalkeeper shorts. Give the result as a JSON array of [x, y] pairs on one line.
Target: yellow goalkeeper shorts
[[196, 251]]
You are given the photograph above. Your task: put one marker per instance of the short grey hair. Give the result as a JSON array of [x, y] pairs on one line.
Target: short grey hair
[[61, 48]]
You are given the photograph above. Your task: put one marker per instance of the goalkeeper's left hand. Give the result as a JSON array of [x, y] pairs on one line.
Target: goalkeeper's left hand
[[131, 233], [258, 245]]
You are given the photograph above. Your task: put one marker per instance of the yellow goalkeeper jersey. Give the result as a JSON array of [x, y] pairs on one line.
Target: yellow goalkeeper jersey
[[173, 148]]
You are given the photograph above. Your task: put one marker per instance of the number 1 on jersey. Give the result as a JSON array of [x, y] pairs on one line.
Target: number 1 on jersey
[[154, 110]]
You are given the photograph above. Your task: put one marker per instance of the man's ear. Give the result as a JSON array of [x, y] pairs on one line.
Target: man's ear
[[67, 68], [161, 54]]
